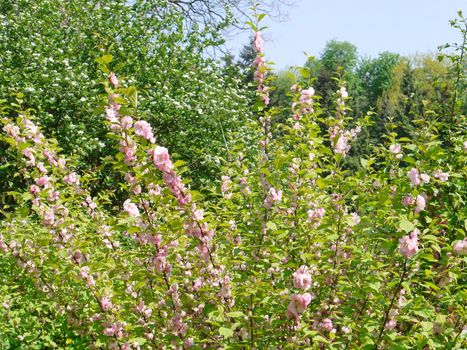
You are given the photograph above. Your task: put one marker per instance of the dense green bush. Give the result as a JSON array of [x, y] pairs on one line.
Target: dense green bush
[[48, 50]]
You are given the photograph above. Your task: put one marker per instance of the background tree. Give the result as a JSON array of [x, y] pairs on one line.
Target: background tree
[[337, 57], [48, 50]]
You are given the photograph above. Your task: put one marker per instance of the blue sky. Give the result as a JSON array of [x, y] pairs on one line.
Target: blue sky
[[402, 26]]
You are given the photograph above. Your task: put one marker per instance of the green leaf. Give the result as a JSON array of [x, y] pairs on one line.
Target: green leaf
[[305, 72], [272, 226], [139, 340], [226, 332], [319, 338], [406, 225], [364, 162], [235, 314], [107, 59]]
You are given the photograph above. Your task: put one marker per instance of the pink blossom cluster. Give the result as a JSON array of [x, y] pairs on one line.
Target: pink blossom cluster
[[31, 131], [131, 208], [106, 304], [225, 186], [161, 160], [199, 230], [392, 322], [244, 186], [408, 200], [420, 204], [177, 325], [160, 259], [306, 104], [274, 196], [115, 329], [298, 304], [143, 309], [460, 248], [226, 290], [85, 273], [71, 178], [326, 325], [416, 178], [121, 124], [302, 278], [143, 129], [316, 215], [441, 176], [128, 148], [113, 80], [396, 149], [408, 245], [340, 138], [355, 219], [260, 67]]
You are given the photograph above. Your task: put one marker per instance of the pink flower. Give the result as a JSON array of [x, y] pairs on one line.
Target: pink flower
[[420, 204], [258, 42], [177, 325], [49, 217], [111, 115], [408, 245], [414, 176], [109, 331], [298, 304], [395, 148], [326, 324], [302, 278], [273, 197], [34, 189], [355, 218], [154, 190], [106, 304], [460, 248], [84, 272], [408, 200], [161, 159], [391, 324], [126, 122], [70, 178], [27, 152], [53, 195], [425, 178], [443, 177], [130, 208], [143, 129], [259, 61], [341, 145], [129, 152], [315, 215], [306, 96], [43, 181], [226, 182], [343, 92], [11, 130], [41, 167], [113, 79]]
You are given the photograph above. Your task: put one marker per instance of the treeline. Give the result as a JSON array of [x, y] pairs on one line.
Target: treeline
[[389, 90]]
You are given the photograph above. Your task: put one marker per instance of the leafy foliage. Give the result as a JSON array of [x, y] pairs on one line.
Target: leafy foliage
[[287, 248]]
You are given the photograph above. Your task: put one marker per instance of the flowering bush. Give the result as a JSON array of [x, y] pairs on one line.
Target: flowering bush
[[288, 250]]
